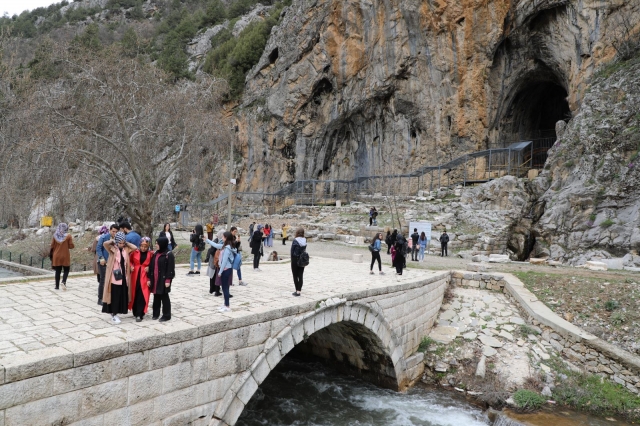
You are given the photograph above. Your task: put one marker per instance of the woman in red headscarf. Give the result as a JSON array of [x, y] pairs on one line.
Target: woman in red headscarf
[[138, 289]]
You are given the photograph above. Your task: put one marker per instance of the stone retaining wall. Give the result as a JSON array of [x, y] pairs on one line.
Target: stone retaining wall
[[478, 280], [580, 350]]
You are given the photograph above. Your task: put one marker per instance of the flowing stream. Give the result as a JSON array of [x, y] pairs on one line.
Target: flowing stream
[[304, 393]]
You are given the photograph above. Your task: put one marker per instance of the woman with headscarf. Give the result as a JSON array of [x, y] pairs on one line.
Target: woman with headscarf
[[162, 270], [399, 260], [93, 249], [139, 288], [61, 243], [212, 261], [115, 299], [166, 232], [197, 247], [256, 247]]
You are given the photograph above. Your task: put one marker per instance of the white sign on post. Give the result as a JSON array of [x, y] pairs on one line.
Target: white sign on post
[[421, 227]]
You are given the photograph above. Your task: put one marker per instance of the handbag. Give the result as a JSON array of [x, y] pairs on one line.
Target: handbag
[[117, 274]]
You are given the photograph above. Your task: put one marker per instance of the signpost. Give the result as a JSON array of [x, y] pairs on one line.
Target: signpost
[[422, 227]]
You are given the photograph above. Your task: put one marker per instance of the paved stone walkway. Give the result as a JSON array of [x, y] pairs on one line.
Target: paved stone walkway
[[35, 318], [491, 319]]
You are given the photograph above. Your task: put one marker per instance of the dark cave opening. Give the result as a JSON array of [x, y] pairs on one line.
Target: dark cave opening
[[537, 108]]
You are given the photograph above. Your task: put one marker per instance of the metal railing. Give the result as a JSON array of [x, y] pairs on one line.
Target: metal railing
[[499, 160], [36, 261]]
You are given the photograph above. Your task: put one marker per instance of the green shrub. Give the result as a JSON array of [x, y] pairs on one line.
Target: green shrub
[[618, 318], [592, 217], [425, 343], [233, 58], [88, 39], [611, 305], [607, 223], [528, 400], [215, 13], [569, 164]]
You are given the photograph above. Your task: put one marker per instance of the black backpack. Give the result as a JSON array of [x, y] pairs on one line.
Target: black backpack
[[303, 257], [303, 260]]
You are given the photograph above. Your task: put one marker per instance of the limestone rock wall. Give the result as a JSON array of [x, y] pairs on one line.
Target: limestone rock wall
[[591, 188], [347, 88]]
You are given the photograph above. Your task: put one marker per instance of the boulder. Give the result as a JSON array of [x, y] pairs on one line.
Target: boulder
[[537, 261], [499, 258], [595, 265], [444, 334], [482, 367]]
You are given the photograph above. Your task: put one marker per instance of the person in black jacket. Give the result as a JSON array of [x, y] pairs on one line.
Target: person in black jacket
[[388, 241], [444, 240], [256, 247], [400, 260], [414, 245], [299, 245], [162, 270]]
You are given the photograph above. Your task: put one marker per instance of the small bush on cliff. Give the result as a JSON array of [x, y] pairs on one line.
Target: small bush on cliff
[[607, 223]]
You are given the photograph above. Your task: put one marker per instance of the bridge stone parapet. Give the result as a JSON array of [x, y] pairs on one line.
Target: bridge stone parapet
[[204, 369]]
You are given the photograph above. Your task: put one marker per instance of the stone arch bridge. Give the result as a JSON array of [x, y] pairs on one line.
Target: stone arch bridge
[[204, 372]]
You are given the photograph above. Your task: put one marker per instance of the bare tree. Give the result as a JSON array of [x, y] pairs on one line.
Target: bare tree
[[626, 34], [126, 127]]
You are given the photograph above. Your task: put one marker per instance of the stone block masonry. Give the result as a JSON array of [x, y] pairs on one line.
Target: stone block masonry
[[62, 363]]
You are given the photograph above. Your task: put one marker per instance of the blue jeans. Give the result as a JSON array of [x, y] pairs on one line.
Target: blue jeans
[[239, 274], [195, 255], [421, 253], [225, 279]]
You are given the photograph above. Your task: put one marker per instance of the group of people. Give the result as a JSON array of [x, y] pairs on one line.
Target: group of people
[[398, 248], [128, 272]]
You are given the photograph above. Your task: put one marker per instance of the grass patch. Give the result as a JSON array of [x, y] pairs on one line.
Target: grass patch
[[593, 394], [618, 318], [528, 400], [525, 330], [606, 223], [425, 343]]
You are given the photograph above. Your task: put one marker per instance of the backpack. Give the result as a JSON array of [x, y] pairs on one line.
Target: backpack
[[405, 248], [303, 259], [371, 249], [216, 259]]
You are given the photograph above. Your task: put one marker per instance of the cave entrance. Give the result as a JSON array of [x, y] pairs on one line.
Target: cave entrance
[[532, 116], [537, 108]]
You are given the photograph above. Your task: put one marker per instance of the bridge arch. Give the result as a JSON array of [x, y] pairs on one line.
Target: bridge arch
[[364, 320]]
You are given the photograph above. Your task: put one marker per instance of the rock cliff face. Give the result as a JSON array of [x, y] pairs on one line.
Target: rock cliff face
[[348, 88], [590, 192]]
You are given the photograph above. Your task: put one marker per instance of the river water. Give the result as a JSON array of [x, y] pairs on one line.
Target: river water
[[303, 393]]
